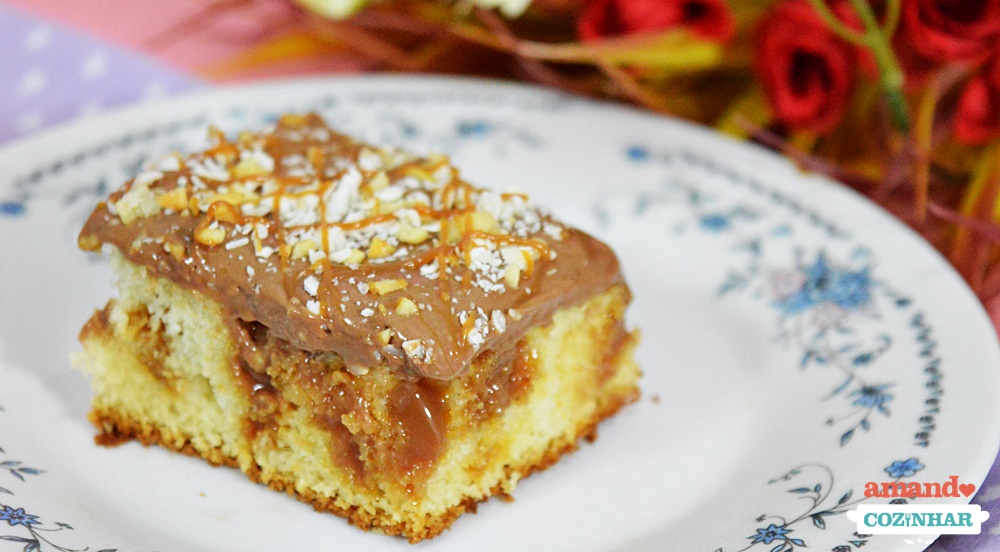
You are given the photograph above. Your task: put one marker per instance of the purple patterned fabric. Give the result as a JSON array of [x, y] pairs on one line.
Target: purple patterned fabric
[[50, 74], [988, 497]]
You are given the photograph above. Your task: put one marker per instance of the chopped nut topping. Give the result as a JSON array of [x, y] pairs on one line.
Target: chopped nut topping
[[512, 276], [406, 307], [383, 287], [223, 211], [89, 242], [294, 120], [412, 235], [140, 200], [303, 249], [176, 250], [253, 165], [348, 257], [210, 235], [340, 205], [380, 249], [379, 182], [176, 200]]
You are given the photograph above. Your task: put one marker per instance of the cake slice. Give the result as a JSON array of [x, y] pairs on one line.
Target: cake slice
[[357, 326]]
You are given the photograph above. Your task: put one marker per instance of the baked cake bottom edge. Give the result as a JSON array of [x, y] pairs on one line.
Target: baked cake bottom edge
[[389, 454]]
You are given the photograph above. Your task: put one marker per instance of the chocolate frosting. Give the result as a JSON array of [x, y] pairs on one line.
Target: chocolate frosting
[[429, 307]]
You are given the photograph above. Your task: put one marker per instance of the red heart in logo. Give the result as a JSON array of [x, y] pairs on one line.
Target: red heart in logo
[[967, 489]]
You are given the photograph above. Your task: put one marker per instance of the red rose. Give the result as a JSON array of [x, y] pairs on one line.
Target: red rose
[[951, 30], [707, 19], [977, 119], [806, 71]]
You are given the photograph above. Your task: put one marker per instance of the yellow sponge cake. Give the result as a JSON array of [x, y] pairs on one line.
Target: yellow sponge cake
[[357, 326]]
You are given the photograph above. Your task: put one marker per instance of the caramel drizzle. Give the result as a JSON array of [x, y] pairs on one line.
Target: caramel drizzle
[[455, 198]]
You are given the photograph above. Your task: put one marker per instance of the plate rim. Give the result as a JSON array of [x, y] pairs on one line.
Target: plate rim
[[198, 100]]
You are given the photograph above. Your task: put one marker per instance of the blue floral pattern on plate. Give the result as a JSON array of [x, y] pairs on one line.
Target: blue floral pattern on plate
[[827, 310], [29, 531], [819, 495]]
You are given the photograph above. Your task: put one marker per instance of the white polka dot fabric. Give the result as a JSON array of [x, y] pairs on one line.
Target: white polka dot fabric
[[50, 74]]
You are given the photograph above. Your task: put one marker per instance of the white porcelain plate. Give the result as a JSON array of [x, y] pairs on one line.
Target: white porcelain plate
[[797, 341]]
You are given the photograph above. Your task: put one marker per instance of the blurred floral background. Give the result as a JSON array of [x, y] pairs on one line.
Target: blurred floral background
[[898, 99]]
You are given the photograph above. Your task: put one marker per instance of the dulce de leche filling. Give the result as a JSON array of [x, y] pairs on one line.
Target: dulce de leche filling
[[336, 246]]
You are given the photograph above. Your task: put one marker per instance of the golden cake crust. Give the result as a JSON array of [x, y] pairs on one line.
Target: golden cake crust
[[115, 430]]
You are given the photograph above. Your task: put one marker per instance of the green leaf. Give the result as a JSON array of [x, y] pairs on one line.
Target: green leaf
[[675, 50]]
